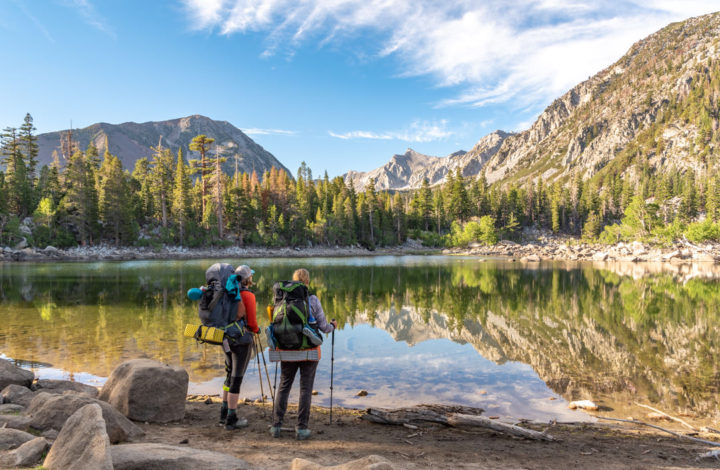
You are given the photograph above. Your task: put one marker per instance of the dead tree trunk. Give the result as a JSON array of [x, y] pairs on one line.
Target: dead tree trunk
[[455, 416]]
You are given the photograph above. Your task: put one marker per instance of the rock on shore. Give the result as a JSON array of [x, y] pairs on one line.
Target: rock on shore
[[111, 253], [551, 248]]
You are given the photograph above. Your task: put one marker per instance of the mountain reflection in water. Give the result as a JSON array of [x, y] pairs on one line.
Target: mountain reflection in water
[[498, 335]]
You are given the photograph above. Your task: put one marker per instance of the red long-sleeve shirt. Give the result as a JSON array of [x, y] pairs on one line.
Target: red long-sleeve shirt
[[248, 300]]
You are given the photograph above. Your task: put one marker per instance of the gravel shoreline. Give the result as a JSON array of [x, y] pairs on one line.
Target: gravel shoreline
[[111, 253], [538, 249]]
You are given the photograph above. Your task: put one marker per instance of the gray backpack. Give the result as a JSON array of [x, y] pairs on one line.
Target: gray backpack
[[217, 308]]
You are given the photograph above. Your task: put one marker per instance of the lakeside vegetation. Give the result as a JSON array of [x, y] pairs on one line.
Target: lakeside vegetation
[[88, 199]]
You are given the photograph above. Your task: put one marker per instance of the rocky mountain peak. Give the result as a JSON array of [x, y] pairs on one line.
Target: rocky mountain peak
[[643, 111], [131, 141]]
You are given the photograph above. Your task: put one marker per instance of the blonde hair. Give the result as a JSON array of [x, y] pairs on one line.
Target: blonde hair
[[302, 275]]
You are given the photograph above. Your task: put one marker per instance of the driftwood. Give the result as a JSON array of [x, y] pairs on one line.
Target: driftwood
[[713, 454], [692, 428], [682, 436], [455, 416]]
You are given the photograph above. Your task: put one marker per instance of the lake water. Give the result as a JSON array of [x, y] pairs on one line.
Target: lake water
[[517, 340]]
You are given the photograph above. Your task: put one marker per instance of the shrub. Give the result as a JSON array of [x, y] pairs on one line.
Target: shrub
[[482, 231], [703, 231]]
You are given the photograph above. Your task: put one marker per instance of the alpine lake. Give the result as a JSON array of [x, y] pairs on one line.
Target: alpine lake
[[518, 340]]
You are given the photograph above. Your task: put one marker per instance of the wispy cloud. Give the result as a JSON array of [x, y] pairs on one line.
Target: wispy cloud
[[89, 14], [35, 21], [491, 51], [257, 131], [418, 131]]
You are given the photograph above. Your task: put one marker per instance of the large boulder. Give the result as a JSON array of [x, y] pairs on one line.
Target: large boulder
[[164, 457], [17, 394], [62, 386], [371, 462], [13, 438], [10, 408], [48, 411], [146, 390], [27, 455], [15, 422], [11, 374], [82, 443]]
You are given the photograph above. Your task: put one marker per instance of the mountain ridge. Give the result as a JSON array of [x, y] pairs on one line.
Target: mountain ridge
[[634, 114], [130, 141], [408, 170]]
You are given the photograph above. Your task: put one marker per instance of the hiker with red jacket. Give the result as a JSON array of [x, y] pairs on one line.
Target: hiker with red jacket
[[237, 353]]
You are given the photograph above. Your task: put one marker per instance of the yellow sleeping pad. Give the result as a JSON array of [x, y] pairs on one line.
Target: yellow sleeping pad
[[207, 334]]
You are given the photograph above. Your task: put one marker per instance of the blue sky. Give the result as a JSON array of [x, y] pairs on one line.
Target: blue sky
[[340, 84]]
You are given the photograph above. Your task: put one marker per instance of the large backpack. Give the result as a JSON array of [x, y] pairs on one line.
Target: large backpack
[[290, 315], [217, 308]]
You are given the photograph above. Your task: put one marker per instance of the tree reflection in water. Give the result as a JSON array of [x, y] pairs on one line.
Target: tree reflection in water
[[585, 330]]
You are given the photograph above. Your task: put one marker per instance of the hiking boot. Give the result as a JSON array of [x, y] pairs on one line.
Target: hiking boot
[[223, 415], [302, 434], [234, 422], [275, 431]]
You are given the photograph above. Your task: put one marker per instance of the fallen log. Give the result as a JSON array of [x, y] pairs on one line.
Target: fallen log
[[713, 454], [460, 420], [454, 416], [682, 436], [672, 418]]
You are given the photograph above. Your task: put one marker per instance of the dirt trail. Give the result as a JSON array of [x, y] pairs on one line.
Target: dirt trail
[[604, 446]]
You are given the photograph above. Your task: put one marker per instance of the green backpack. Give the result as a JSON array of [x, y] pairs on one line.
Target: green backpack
[[290, 316]]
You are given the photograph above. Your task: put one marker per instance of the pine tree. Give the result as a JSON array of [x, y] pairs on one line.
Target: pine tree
[[555, 207], [712, 199], [371, 202], [592, 226], [201, 143], [141, 174], [162, 180], [425, 204], [114, 198], [80, 201], [181, 198], [19, 189], [29, 150], [398, 213], [218, 182], [439, 209]]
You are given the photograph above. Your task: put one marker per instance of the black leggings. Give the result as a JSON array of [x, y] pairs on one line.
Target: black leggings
[[236, 362]]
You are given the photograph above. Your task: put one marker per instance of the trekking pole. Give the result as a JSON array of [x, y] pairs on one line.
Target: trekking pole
[[267, 374], [332, 367], [257, 356], [276, 368]]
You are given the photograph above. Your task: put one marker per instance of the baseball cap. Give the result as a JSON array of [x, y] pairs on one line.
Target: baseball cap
[[244, 271]]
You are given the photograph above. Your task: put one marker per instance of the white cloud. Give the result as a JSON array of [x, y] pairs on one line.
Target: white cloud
[[258, 131], [524, 51], [90, 15], [418, 131]]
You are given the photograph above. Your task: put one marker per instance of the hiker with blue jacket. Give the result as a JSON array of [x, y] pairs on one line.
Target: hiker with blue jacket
[[307, 372]]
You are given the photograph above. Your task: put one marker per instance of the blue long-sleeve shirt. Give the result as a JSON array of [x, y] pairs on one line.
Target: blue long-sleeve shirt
[[319, 315]]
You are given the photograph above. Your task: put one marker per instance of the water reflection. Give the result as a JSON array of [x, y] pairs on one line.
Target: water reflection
[[498, 335]]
